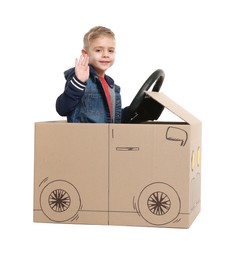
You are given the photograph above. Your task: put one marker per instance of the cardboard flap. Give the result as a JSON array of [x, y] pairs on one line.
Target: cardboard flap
[[173, 107]]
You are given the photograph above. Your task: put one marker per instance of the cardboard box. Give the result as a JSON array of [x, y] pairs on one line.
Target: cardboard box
[[119, 174]]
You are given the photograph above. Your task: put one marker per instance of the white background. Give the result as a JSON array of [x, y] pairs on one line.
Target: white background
[[189, 40]]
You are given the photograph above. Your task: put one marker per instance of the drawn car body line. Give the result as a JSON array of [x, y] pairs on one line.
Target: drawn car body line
[[140, 210]]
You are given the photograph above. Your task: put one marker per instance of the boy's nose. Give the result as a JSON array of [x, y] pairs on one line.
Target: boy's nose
[[105, 54]]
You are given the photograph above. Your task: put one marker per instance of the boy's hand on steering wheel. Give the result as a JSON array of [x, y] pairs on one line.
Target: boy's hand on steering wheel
[[82, 68]]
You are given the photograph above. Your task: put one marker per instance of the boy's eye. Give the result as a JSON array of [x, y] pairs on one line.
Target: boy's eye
[[100, 50]]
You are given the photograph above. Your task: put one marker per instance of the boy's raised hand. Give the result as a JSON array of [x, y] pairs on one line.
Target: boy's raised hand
[[82, 68]]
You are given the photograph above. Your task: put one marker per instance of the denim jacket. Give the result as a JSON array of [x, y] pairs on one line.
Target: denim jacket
[[86, 102]]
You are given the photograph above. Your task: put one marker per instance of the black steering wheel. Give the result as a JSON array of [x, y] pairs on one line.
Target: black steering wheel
[[142, 107]]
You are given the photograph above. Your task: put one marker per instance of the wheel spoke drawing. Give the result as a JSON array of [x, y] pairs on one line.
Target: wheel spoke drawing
[[158, 203], [59, 200]]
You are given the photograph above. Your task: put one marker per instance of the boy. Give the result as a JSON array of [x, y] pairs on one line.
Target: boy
[[90, 95]]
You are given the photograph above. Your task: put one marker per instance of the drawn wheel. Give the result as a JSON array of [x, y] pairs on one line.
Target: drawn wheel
[[159, 203], [60, 201]]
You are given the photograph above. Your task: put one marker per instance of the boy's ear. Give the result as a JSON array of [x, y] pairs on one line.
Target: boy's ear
[[84, 52]]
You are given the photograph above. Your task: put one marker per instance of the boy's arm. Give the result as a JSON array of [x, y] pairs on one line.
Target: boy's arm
[[68, 100], [74, 87]]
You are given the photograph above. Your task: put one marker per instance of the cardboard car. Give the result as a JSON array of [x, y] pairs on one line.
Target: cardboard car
[[146, 174]]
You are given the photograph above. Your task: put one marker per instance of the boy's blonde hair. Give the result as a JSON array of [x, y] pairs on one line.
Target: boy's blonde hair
[[96, 32]]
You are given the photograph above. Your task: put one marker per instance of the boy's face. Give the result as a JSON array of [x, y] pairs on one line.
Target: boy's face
[[101, 54]]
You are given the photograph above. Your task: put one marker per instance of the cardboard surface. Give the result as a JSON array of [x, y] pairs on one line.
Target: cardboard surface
[[119, 174], [173, 107]]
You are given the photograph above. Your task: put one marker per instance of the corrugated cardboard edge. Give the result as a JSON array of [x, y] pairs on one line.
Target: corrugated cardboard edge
[[173, 107]]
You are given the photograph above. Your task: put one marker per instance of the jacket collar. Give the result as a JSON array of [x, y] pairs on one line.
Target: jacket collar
[[95, 77], [70, 72]]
